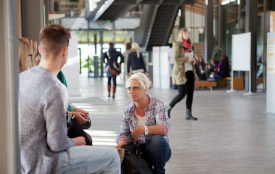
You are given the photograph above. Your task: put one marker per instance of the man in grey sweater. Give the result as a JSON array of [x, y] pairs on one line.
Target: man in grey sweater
[[43, 100]]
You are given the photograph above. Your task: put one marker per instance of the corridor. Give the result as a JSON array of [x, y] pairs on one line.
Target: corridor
[[233, 133]]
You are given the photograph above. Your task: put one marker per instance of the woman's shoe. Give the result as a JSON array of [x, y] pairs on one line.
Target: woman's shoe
[[189, 115]]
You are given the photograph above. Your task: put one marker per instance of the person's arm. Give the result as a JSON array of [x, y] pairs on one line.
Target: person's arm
[[76, 109], [129, 63], [161, 127], [156, 129], [55, 120], [125, 133], [143, 63], [162, 117], [176, 51], [121, 58], [104, 57]]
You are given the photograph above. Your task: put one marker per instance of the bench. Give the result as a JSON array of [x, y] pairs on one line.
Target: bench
[[238, 83], [205, 84]]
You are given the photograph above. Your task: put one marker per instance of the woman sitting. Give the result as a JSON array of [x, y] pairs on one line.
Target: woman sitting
[[145, 121], [202, 67]]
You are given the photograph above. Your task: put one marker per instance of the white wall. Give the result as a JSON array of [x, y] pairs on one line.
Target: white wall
[[71, 68]]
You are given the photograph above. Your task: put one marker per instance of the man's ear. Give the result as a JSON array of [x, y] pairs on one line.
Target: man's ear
[[65, 51]]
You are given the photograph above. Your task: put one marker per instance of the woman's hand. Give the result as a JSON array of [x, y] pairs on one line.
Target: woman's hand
[[80, 118], [191, 59], [121, 144], [82, 111], [138, 132]]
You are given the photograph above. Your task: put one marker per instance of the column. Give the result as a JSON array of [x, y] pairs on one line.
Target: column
[[32, 13], [208, 31], [251, 26], [9, 136], [182, 16]]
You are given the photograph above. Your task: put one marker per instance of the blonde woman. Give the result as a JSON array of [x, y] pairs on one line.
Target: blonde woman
[[145, 122], [135, 61], [184, 72], [27, 53]]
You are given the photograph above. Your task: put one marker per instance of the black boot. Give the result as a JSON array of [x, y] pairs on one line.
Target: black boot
[[189, 115]]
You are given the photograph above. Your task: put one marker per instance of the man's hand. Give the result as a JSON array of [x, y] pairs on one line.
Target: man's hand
[[80, 141], [81, 118], [138, 132]]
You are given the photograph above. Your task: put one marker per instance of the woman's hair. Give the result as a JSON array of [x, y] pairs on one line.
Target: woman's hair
[[135, 47], [201, 63], [27, 51], [141, 78], [224, 58], [180, 34]]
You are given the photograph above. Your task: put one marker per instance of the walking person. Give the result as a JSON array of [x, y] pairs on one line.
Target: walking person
[[126, 55], [184, 72], [111, 59], [135, 62]]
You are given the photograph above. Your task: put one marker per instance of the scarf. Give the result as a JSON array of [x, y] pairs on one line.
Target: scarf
[[187, 45]]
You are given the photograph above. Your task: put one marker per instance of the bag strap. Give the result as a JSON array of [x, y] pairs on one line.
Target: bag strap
[[108, 54]]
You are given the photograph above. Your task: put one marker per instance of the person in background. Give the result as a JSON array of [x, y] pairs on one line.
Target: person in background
[[145, 121], [184, 72], [211, 69], [135, 61], [44, 145], [171, 62], [27, 51], [126, 55], [222, 68], [202, 68], [110, 57]]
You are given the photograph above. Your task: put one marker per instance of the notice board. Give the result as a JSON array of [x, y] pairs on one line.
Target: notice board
[[241, 52]]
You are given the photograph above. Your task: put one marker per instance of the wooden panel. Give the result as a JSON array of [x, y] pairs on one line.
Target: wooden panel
[[19, 18], [205, 84]]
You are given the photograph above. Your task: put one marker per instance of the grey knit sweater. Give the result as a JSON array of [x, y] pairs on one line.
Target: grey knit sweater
[[42, 104]]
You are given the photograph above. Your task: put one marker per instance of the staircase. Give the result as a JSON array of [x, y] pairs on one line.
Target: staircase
[[163, 24], [143, 31]]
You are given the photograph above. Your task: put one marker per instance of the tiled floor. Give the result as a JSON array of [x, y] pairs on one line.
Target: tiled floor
[[233, 135]]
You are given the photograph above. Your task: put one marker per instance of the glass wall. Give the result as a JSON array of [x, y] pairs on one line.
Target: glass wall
[[90, 50]]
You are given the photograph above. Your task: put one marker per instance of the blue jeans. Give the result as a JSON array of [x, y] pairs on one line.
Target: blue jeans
[[156, 152], [89, 159]]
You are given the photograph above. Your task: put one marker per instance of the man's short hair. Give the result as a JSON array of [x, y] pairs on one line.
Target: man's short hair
[[53, 38]]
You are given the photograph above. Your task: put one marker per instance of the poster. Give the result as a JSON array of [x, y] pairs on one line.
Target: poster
[[270, 73]]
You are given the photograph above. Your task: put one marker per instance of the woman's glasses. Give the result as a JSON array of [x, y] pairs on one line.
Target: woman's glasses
[[134, 88]]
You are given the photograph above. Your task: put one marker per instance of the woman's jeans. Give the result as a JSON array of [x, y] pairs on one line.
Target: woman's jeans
[[187, 88], [89, 159], [156, 152]]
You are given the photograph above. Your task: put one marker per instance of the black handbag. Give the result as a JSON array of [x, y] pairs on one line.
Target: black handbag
[[133, 163]]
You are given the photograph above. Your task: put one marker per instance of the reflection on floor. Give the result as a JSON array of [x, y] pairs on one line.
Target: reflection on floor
[[233, 133]]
